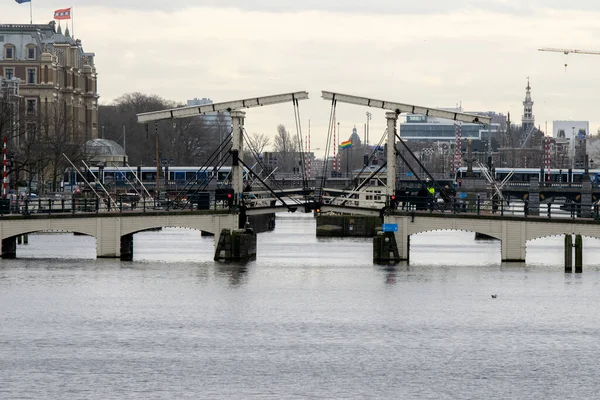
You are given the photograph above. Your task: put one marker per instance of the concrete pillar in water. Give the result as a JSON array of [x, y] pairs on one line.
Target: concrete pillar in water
[[25, 239], [127, 247], [236, 245], [20, 239], [578, 254], [385, 248], [9, 247], [568, 253]]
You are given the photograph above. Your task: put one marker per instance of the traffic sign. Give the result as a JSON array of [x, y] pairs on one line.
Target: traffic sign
[[389, 227]]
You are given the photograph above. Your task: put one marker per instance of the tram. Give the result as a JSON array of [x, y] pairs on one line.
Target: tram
[[525, 175], [122, 177]]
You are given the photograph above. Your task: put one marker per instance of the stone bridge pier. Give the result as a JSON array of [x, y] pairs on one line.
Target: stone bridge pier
[[513, 232], [114, 232]]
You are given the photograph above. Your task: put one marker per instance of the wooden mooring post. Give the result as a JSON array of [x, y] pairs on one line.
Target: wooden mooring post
[[568, 253], [578, 254], [578, 246]]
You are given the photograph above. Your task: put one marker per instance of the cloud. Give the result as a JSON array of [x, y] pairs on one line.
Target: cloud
[[475, 52], [402, 7]]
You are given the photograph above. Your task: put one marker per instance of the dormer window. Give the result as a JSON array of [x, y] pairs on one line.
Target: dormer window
[[9, 52], [31, 52]]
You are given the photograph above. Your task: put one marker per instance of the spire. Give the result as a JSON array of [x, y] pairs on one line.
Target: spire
[[67, 32], [528, 119], [59, 30]]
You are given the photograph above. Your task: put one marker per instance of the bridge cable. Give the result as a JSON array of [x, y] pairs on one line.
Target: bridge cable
[[300, 140], [208, 174], [330, 127], [352, 187], [263, 166], [274, 194], [434, 183], [83, 177]]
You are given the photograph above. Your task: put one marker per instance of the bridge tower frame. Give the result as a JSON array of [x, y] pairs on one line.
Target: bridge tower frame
[[237, 122]]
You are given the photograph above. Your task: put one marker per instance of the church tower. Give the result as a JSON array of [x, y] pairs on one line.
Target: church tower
[[528, 120]]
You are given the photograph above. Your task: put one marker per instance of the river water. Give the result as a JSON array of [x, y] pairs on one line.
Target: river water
[[309, 318]]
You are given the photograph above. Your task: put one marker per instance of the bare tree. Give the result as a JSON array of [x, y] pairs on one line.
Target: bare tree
[[256, 144], [123, 113], [286, 145], [61, 134]]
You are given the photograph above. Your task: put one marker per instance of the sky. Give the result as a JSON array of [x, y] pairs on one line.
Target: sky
[[434, 53]]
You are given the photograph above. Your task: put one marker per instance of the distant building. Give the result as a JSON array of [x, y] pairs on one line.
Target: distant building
[[55, 74], [573, 132], [218, 120], [355, 138], [431, 129]]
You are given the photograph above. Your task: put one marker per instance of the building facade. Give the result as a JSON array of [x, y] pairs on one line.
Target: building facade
[[57, 80], [431, 129]]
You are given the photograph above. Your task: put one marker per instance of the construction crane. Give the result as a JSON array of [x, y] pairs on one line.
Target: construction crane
[[567, 51]]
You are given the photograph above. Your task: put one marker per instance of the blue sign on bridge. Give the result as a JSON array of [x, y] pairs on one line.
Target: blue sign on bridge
[[389, 227]]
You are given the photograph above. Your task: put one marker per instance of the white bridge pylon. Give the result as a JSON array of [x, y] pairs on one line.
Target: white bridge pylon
[[237, 118], [394, 109]]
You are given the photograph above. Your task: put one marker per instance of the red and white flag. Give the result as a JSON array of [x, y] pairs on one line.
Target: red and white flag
[[64, 13]]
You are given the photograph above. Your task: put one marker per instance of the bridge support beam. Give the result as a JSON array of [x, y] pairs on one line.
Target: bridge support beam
[[534, 197], [237, 178], [236, 245], [9, 247], [513, 241], [586, 199], [392, 118], [127, 247]]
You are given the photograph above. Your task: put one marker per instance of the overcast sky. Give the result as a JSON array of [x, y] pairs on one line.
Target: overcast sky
[[431, 53]]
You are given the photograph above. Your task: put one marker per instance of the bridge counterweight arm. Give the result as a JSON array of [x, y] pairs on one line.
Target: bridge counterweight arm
[[184, 112], [406, 108]]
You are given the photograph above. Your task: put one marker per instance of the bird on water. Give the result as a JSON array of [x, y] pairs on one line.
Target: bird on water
[[494, 296]]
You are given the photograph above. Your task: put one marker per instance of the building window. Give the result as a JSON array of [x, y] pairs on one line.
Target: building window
[[31, 53], [31, 128], [31, 76], [9, 52], [9, 73], [31, 106]]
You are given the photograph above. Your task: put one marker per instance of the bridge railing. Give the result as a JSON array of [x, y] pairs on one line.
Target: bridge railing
[[484, 206], [122, 204]]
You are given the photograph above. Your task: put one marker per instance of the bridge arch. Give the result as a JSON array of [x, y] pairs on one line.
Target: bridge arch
[[542, 230], [24, 227], [488, 232], [207, 223]]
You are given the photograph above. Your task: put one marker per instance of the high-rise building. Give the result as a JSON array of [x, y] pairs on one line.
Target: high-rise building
[[58, 80], [216, 119]]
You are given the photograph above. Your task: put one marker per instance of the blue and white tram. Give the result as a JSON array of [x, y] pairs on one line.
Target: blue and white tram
[[172, 175], [566, 175]]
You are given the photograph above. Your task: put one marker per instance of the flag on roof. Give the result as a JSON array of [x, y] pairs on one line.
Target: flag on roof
[[63, 13], [23, 1], [346, 145]]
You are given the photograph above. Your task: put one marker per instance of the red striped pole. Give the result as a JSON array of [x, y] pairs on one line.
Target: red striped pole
[[339, 154], [4, 170], [548, 157], [309, 157], [334, 149]]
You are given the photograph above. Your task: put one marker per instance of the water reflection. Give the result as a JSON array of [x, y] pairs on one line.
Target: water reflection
[[235, 273]]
